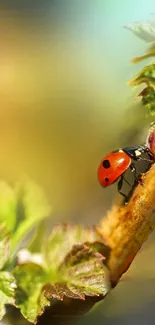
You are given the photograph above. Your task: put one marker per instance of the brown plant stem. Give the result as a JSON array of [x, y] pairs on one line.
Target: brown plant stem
[[127, 227]]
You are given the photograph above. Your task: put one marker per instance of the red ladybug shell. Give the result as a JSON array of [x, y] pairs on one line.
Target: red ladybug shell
[[112, 167]]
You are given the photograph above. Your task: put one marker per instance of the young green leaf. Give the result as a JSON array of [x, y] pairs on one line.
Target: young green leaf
[[148, 99], [84, 270], [30, 279], [33, 207], [22, 208], [4, 246], [7, 291], [83, 274], [39, 237], [69, 270], [146, 75], [62, 239], [7, 281], [8, 204]]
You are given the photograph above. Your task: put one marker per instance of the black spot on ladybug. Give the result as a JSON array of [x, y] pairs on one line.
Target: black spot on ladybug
[[107, 179], [106, 163]]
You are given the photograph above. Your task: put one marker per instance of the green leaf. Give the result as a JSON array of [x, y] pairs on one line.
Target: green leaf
[[83, 274], [69, 270], [33, 208], [7, 291], [22, 208], [7, 205], [30, 279], [148, 99], [62, 239], [146, 75], [80, 267], [4, 246], [38, 238]]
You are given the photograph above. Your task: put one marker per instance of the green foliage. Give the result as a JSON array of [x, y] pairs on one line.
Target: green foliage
[[30, 280], [7, 280], [4, 246], [31, 208], [21, 209], [70, 262], [7, 291], [8, 203], [67, 269], [82, 274], [147, 74], [66, 236], [148, 99]]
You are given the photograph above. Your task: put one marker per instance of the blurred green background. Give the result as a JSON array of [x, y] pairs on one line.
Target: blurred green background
[[64, 103]]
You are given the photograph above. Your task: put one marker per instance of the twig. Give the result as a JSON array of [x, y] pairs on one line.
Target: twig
[[126, 228]]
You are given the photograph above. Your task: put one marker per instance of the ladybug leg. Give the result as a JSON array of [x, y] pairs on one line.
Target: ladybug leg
[[126, 181], [119, 187], [145, 159], [137, 180], [150, 154]]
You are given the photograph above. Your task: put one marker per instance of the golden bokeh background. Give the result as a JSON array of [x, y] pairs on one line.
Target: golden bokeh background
[[64, 104], [64, 100]]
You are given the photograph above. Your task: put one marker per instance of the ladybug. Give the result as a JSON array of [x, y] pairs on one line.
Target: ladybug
[[116, 163]]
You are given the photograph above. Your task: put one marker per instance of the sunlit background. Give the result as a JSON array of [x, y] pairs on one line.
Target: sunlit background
[[64, 102]]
